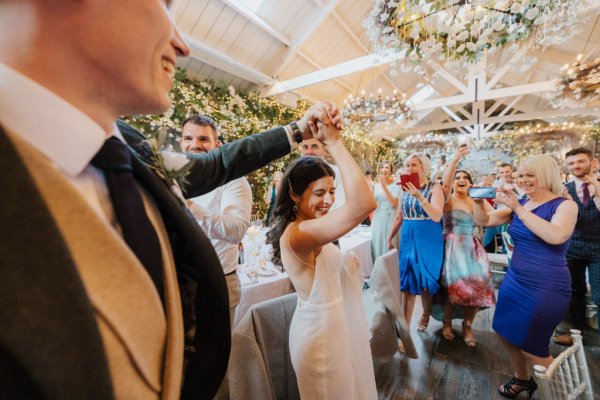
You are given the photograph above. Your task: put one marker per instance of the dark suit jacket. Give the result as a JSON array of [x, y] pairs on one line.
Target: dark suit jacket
[[50, 346]]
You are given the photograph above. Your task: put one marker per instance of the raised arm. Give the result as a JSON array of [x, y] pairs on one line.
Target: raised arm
[[448, 177], [314, 233], [556, 231], [486, 215]]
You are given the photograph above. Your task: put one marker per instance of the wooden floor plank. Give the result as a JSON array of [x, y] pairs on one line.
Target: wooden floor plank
[[452, 370]]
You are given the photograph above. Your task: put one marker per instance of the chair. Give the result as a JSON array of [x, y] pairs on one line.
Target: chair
[[568, 376], [385, 313], [260, 366]]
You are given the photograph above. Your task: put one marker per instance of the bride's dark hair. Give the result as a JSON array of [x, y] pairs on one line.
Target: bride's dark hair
[[296, 178]]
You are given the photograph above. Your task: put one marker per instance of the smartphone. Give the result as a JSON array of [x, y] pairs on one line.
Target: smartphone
[[412, 178], [482, 193]]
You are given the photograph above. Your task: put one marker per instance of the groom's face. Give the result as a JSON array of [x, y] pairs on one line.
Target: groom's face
[[129, 49]]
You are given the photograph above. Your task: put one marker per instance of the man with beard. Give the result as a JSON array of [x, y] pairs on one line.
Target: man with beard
[[584, 250]]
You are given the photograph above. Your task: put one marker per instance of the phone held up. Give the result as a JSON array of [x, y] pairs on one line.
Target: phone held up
[[412, 178], [482, 193]]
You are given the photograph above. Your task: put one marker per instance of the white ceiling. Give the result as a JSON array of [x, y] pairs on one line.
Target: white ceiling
[[298, 41]]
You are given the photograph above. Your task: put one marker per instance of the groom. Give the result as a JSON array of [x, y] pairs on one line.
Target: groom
[[94, 245]]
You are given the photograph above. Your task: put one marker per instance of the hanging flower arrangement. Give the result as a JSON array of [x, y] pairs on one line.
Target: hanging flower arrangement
[[463, 30]]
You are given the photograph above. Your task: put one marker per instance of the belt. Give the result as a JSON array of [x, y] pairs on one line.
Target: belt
[[231, 273]]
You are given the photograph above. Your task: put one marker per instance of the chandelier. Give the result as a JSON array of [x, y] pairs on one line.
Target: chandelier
[[372, 110], [413, 31], [580, 83]]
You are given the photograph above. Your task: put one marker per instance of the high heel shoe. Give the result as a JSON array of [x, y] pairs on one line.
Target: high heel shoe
[[447, 331], [507, 390], [423, 322], [468, 337]]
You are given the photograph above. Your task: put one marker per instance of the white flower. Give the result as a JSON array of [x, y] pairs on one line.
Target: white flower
[[542, 3], [460, 48], [516, 8], [174, 161], [471, 46], [532, 13], [498, 25], [462, 36], [383, 17]]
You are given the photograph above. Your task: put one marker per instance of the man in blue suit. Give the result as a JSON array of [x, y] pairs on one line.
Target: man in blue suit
[[88, 308]]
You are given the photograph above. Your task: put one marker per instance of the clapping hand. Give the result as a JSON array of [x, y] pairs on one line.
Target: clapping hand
[[593, 184], [507, 197], [382, 179]]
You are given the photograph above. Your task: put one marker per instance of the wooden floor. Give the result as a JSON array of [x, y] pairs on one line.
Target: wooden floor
[[452, 370]]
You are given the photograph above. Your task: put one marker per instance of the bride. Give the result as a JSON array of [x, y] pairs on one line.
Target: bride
[[329, 337]]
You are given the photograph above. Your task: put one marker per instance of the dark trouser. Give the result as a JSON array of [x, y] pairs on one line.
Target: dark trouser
[[577, 268]]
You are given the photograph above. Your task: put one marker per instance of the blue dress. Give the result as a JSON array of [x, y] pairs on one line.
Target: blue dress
[[421, 247], [535, 294], [383, 219]]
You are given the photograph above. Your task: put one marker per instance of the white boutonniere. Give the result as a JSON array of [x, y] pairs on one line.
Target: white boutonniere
[[169, 165]]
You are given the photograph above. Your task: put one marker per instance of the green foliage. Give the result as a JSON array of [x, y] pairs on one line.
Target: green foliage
[[240, 114]]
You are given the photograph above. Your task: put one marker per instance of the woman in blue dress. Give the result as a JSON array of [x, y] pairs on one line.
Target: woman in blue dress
[[535, 293], [421, 245], [386, 194]]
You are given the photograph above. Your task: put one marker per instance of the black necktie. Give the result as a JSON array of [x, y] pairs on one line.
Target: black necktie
[[114, 159]]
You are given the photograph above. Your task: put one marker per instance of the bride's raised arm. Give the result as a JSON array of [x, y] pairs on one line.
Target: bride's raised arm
[[313, 233]]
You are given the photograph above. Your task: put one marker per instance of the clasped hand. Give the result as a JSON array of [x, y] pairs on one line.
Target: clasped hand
[[322, 121]]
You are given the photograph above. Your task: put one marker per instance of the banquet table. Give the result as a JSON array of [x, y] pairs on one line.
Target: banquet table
[[270, 282]]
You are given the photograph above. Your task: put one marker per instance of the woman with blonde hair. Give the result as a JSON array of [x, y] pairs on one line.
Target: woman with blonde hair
[[421, 256], [535, 293]]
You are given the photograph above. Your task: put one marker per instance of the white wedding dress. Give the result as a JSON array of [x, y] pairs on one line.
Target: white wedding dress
[[329, 334]]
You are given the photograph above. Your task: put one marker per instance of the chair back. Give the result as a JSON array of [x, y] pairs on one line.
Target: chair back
[[568, 376], [260, 365]]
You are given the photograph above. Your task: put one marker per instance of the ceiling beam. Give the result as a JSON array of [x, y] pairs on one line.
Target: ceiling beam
[[311, 27], [351, 33], [493, 120], [242, 9], [329, 73], [215, 58], [316, 65]]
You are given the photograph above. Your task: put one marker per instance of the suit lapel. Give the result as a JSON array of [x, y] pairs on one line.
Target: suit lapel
[[48, 323]]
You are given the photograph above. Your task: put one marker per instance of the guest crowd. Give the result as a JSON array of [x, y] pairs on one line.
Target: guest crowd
[[116, 285]]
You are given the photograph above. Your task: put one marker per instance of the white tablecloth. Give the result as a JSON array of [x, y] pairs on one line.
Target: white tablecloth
[[279, 284]]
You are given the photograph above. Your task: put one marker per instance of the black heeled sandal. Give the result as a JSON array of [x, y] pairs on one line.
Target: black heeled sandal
[[508, 391]]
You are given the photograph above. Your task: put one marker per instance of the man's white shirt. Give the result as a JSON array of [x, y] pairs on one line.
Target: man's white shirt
[[340, 197], [224, 215]]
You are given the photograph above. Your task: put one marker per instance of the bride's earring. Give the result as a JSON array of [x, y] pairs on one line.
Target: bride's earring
[[295, 208]]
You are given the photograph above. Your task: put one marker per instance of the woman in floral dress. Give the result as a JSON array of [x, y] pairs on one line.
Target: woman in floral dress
[[466, 273]]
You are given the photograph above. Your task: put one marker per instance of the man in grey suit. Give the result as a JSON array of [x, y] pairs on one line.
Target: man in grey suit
[[83, 313]]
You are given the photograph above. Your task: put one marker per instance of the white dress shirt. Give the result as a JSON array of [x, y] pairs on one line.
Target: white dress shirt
[[579, 190], [58, 130], [340, 196], [224, 215]]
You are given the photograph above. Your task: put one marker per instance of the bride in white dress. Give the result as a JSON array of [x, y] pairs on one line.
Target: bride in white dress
[[329, 334]]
